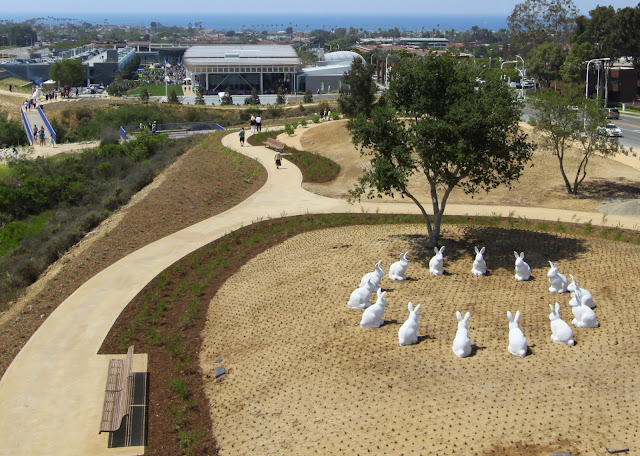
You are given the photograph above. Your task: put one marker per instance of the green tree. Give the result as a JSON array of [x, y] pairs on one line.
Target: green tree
[[573, 69], [545, 62], [67, 72], [11, 132], [308, 96], [534, 22], [144, 94], [280, 96], [173, 97], [254, 99], [226, 98], [199, 96], [358, 92], [564, 126], [440, 124]]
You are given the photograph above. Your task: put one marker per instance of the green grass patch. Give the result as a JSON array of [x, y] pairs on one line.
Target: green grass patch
[[14, 232], [157, 90]]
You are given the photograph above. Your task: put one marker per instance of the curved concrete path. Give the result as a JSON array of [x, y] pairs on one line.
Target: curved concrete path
[[51, 395]]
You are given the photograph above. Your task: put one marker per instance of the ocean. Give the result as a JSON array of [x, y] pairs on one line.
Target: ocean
[[305, 22]]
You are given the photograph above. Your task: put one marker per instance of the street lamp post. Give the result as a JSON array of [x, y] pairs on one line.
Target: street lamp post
[[586, 89], [386, 71]]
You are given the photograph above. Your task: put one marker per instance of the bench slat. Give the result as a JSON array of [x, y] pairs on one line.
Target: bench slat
[[117, 398]]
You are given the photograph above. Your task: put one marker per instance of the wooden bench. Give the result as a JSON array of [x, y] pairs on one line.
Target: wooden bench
[[117, 396], [274, 144]]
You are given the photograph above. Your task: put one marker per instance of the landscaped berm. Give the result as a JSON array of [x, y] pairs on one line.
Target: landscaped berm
[[304, 378]]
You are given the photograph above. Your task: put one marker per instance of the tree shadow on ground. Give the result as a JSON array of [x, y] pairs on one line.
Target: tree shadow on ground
[[500, 243], [599, 188]]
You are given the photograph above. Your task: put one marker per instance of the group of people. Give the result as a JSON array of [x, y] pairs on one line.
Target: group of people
[[39, 136], [325, 114], [30, 103], [256, 123], [151, 126]]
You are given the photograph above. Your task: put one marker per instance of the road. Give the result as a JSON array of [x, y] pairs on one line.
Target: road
[[628, 123]]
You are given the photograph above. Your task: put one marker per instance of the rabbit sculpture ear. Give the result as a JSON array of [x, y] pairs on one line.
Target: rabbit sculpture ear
[[553, 311], [509, 316], [458, 315], [516, 255], [415, 311], [410, 307], [441, 250], [482, 250], [517, 319], [466, 317], [558, 308], [476, 249], [435, 250]]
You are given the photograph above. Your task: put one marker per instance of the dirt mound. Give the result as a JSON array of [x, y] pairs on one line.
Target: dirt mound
[[303, 378]]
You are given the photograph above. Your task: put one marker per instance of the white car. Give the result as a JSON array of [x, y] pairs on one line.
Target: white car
[[610, 129]]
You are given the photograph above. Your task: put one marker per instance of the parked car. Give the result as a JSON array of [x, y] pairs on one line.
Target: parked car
[[612, 113], [610, 129]]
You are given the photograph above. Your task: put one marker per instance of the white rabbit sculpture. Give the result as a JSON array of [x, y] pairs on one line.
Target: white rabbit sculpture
[[479, 265], [398, 269], [408, 332], [584, 316], [561, 332], [375, 276], [373, 316], [559, 282], [462, 343], [436, 263], [587, 298], [517, 341], [523, 271], [360, 297]]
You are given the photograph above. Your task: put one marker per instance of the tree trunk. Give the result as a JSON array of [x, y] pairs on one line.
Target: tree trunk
[[424, 212], [564, 175]]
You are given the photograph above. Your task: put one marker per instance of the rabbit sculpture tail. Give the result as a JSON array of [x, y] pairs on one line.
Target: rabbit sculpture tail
[[398, 270], [561, 332], [373, 317], [517, 341], [479, 265], [408, 332], [436, 263], [462, 343]]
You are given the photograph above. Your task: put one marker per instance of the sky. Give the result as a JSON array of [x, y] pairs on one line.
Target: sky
[[37, 8]]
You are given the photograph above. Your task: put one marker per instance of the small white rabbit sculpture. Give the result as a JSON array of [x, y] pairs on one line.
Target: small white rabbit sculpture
[[559, 282], [587, 298], [398, 269], [517, 341], [523, 271], [479, 265], [360, 297], [436, 263], [584, 316], [561, 332], [375, 276], [373, 317], [462, 343], [408, 332]]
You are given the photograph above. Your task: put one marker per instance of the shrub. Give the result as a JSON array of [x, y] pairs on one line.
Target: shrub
[[173, 97], [289, 128], [315, 118], [308, 96], [144, 95], [303, 123]]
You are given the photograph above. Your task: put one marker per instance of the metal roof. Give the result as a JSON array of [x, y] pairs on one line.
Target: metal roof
[[241, 53]]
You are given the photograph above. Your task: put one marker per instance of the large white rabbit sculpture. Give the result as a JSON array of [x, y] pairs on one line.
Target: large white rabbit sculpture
[[517, 341], [360, 298], [587, 298], [523, 271], [375, 276], [479, 265], [561, 332], [559, 282], [584, 316], [373, 316], [462, 342], [398, 269], [408, 332], [436, 263]]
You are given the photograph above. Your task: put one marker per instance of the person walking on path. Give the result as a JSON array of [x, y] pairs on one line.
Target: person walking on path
[[258, 123], [42, 136], [253, 123], [278, 158], [242, 137]]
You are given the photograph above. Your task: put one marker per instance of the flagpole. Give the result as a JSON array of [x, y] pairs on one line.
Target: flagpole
[[166, 94]]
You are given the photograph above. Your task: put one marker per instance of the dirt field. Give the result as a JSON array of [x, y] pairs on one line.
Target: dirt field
[[304, 378]]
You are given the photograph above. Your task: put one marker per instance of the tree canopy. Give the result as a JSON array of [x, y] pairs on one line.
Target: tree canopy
[[439, 123], [568, 120], [68, 72], [358, 92]]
